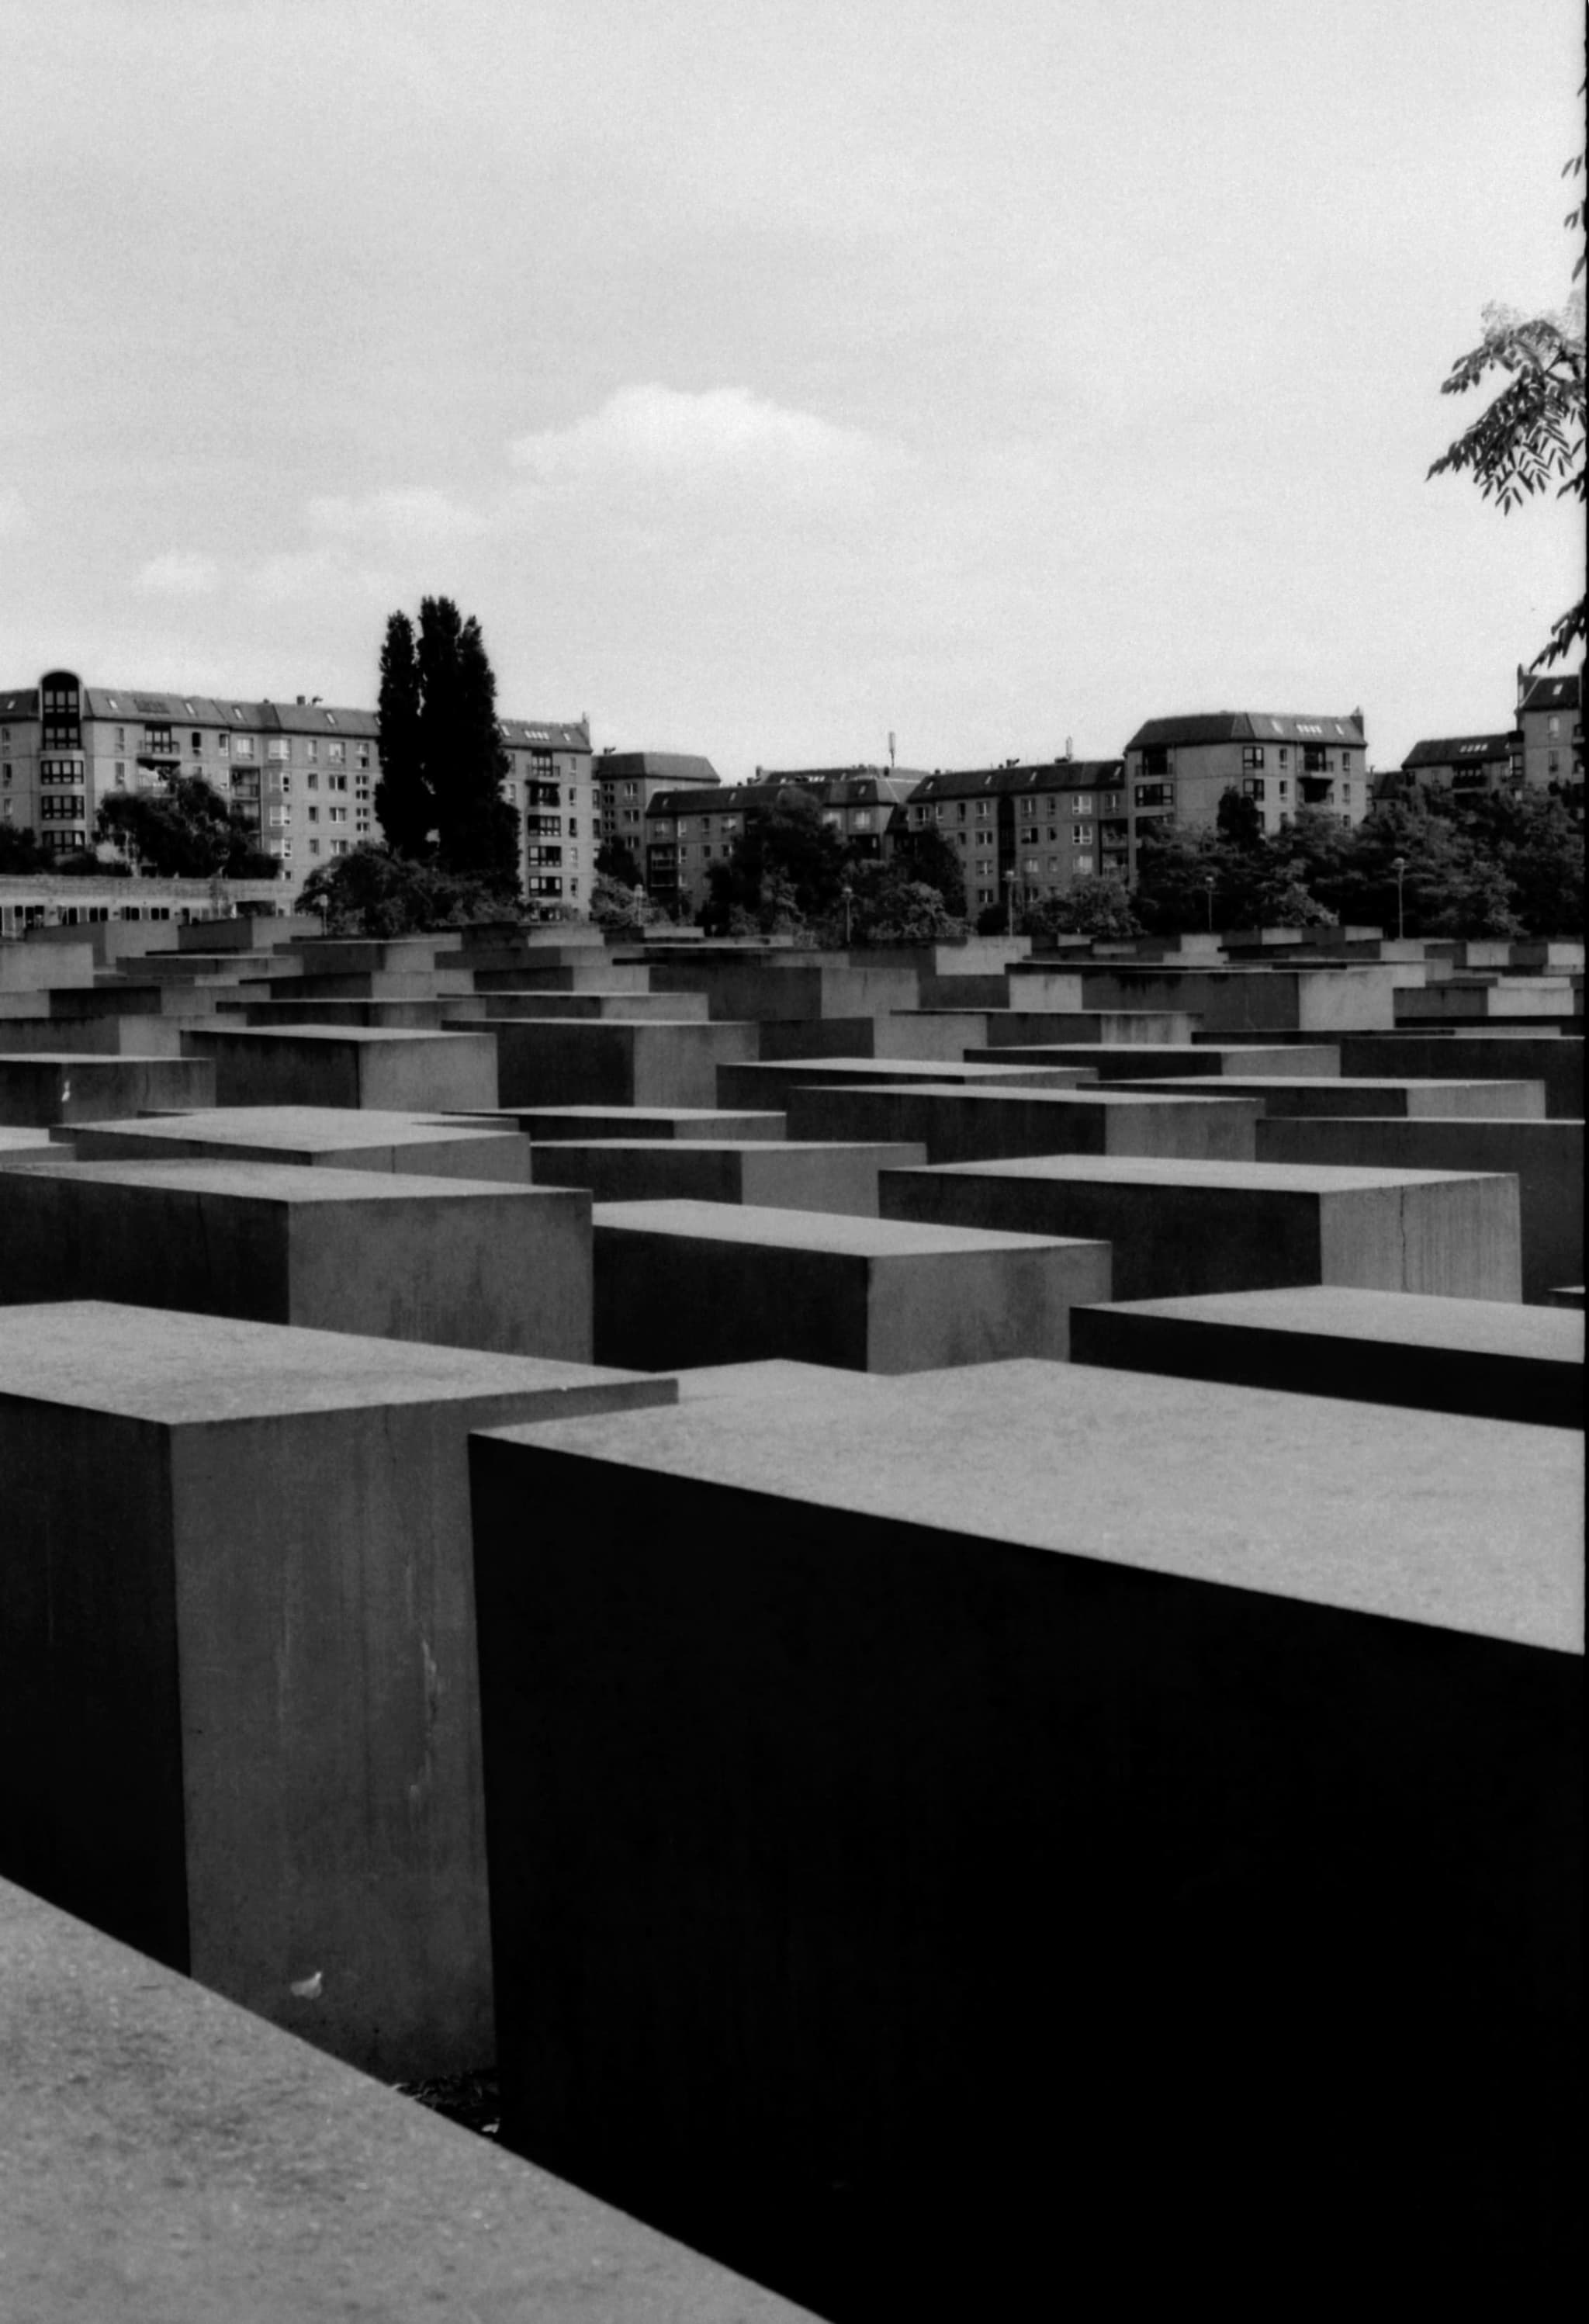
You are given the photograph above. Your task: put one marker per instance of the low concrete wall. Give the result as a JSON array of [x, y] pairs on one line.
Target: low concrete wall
[[349, 1067], [61, 1087], [972, 1124], [769, 1173]]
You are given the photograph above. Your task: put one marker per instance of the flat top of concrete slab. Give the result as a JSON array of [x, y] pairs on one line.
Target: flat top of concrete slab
[[15, 1140], [158, 1364], [1111, 1100], [1428, 1517], [833, 1231], [755, 1146], [282, 1182], [92, 1060], [884, 1070], [1387, 1318], [1237, 1083], [510, 1115], [367, 1037], [301, 1127], [1239, 1177]]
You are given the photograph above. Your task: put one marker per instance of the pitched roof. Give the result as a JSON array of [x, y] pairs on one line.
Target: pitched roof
[[1460, 750], [728, 798], [1053, 775], [1548, 692], [22, 703], [657, 766], [1248, 726]]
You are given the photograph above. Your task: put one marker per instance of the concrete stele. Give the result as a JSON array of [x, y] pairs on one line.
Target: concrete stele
[[238, 1707]]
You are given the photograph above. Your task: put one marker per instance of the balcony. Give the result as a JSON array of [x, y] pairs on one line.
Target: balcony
[[1317, 790]]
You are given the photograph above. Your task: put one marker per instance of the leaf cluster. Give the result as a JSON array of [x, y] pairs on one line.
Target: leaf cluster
[[373, 892], [184, 831]]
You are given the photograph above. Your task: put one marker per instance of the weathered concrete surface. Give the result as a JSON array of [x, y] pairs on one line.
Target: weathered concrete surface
[[238, 1720], [548, 1061], [1085, 1027], [1547, 1157], [1113, 1061], [100, 1037], [252, 2176], [1312, 1093], [1555, 1059], [83, 1086], [1185, 1227], [19, 1147], [768, 1084], [1568, 1295], [531, 974], [1026, 1731], [30, 967], [417, 1016], [625, 1004], [1479, 1356], [754, 990], [587, 1123], [770, 1174], [1325, 1002], [1459, 998], [958, 1032], [446, 1261], [972, 1123], [684, 1283], [337, 1137], [310, 1065]]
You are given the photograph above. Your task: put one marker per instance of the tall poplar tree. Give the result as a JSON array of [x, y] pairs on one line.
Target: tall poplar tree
[[405, 801], [442, 761]]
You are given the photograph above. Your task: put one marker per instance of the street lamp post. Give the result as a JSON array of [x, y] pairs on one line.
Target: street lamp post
[[1208, 885], [849, 896], [1399, 865], [1009, 903]]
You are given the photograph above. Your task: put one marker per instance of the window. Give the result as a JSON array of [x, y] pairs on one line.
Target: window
[[1030, 866], [1082, 804], [223, 742], [1553, 729], [1253, 762], [1084, 867], [313, 782], [1253, 787], [311, 751], [1283, 787], [277, 748], [314, 815], [314, 846], [243, 746], [1109, 803], [340, 847], [121, 774], [1154, 795], [984, 808], [1346, 795], [1345, 762], [336, 815], [1156, 762], [1079, 834], [196, 745], [1284, 756], [1553, 762], [960, 811], [1315, 761], [362, 755], [336, 782], [284, 784], [336, 752]]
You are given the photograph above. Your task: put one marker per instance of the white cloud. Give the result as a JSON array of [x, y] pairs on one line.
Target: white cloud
[[14, 520], [420, 515], [180, 573], [300, 575], [720, 436]]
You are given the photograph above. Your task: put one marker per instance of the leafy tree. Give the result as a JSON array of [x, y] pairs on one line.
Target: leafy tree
[[404, 800], [617, 860], [442, 760], [884, 903], [1089, 908], [936, 865], [1240, 820], [615, 903], [786, 867], [20, 851], [373, 891], [1532, 436], [1174, 873], [184, 831]]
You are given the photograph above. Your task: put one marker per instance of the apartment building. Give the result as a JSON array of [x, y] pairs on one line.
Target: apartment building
[[302, 774], [687, 830], [863, 805], [1550, 725], [1469, 763], [1178, 770], [1027, 830], [627, 781]]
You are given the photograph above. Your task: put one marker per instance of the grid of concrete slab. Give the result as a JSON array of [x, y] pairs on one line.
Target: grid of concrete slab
[[934, 1597]]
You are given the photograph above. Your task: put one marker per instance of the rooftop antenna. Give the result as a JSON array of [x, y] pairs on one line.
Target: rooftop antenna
[[891, 749], [1068, 746]]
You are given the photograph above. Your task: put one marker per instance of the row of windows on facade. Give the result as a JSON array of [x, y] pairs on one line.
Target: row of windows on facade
[[1314, 758]]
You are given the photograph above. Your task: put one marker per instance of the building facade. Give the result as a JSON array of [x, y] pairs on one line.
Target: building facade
[[1469, 763], [1550, 727], [1178, 770], [1026, 831], [627, 781], [302, 775]]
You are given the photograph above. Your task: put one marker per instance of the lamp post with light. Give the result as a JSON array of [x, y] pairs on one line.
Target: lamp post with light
[[1208, 882], [1399, 865], [1009, 903]]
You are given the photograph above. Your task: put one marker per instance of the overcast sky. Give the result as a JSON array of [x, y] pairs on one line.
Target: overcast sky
[[768, 374]]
